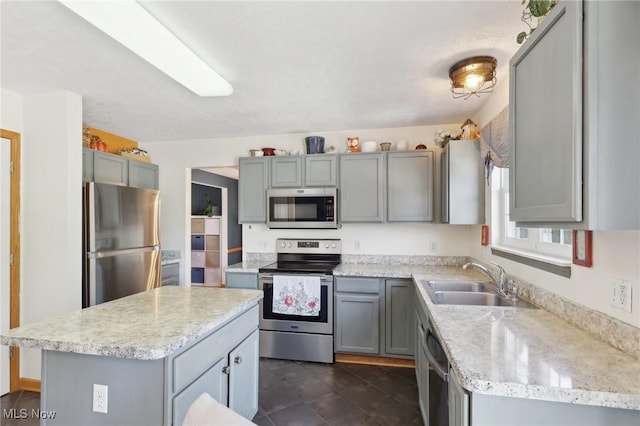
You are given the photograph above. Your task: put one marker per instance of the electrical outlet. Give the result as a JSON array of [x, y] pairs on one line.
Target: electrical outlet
[[100, 398], [621, 294], [433, 245], [356, 245]]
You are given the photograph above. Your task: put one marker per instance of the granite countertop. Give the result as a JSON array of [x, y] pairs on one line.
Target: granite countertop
[[147, 325], [248, 266], [168, 257], [530, 353]]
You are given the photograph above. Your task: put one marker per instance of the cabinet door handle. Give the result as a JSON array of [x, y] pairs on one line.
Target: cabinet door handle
[[238, 360], [226, 370]]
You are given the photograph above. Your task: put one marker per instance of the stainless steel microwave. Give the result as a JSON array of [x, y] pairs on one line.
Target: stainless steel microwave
[[305, 208]]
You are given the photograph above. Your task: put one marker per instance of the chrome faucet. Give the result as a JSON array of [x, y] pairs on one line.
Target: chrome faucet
[[501, 278]]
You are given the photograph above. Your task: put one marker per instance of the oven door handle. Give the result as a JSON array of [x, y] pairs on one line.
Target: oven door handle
[[433, 362], [269, 277]]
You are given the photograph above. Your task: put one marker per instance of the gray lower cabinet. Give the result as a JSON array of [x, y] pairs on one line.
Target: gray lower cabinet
[[399, 317], [362, 187], [247, 280], [462, 183], [170, 274], [357, 315], [458, 402], [140, 392], [410, 186], [374, 316], [573, 163], [252, 186]]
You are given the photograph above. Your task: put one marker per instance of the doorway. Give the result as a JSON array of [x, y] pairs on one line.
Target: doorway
[[220, 185], [9, 255]]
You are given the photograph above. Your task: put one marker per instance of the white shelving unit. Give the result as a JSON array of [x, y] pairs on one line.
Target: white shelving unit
[[206, 268]]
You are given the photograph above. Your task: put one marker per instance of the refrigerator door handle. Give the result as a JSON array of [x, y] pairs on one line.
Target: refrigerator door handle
[[110, 253], [92, 281]]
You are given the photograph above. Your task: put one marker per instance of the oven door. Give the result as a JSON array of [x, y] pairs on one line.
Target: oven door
[[320, 324], [302, 208]]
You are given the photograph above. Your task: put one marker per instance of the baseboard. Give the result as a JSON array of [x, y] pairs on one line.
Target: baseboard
[[30, 384], [375, 360]]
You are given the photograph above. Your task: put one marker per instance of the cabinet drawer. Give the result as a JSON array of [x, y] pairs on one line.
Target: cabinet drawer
[[358, 285], [242, 280], [195, 360]]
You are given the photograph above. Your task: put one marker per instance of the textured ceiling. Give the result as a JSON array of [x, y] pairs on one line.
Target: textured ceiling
[[302, 66]]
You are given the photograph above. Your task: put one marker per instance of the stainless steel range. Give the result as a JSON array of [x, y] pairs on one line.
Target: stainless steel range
[[296, 314]]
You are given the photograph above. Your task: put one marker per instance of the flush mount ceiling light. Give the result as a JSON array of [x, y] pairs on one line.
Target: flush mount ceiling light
[[130, 24], [473, 76]]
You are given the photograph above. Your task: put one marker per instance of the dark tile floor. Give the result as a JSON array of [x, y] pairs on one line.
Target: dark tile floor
[[308, 394], [302, 393]]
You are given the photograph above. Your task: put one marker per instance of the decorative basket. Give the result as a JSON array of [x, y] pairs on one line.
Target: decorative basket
[[138, 157]]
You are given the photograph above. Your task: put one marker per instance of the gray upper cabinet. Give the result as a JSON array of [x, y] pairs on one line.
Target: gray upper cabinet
[[399, 317], [109, 168], [462, 183], [103, 167], [286, 172], [144, 175], [252, 189], [321, 170], [410, 186], [304, 171], [87, 164], [362, 182], [574, 104]]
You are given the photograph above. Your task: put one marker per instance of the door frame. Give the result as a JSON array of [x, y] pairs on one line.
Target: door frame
[[14, 247]]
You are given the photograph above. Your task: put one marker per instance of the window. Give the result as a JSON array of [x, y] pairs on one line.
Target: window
[[539, 242]]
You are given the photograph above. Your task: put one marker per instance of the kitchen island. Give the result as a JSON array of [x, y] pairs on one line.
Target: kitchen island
[[155, 351]]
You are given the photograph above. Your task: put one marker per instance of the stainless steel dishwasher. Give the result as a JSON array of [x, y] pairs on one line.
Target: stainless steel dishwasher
[[438, 379]]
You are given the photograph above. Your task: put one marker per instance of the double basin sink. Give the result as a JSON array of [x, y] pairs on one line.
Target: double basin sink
[[479, 293]]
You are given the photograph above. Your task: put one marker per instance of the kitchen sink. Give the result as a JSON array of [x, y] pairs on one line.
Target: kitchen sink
[[460, 292], [450, 285], [469, 298]]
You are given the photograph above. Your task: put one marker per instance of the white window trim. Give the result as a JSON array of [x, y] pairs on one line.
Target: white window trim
[[535, 249]]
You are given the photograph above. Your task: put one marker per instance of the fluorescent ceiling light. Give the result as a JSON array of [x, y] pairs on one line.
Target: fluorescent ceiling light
[[130, 24]]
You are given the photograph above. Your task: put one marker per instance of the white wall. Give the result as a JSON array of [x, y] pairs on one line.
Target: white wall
[[51, 271], [615, 253], [379, 239]]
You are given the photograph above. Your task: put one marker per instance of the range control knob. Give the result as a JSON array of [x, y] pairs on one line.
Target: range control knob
[[326, 246], [333, 245], [289, 245], [284, 245]]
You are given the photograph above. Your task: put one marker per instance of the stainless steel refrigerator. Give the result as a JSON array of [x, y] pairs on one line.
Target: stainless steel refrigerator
[[121, 242]]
